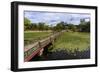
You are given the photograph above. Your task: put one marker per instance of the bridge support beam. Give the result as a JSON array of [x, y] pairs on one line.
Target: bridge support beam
[[41, 52]]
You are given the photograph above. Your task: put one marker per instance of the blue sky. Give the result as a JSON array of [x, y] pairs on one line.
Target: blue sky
[[51, 18]]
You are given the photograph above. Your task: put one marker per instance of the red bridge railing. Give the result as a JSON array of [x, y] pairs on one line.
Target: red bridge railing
[[33, 49]]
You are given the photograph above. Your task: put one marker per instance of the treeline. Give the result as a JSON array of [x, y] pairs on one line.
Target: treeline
[[82, 27], [35, 26]]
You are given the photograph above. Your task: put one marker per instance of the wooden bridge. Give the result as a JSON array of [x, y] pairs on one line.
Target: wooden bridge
[[37, 48]]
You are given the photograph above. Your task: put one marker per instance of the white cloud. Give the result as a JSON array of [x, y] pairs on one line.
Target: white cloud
[[55, 17]]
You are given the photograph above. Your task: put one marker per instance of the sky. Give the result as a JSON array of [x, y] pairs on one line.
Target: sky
[[52, 18]]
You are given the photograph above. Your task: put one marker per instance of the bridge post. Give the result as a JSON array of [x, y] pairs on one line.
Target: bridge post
[[41, 52]]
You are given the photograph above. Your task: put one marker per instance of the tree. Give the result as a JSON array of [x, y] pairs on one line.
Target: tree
[[88, 26], [27, 23], [41, 26], [60, 26], [84, 26], [46, 27], [72, 27], [34, 26]]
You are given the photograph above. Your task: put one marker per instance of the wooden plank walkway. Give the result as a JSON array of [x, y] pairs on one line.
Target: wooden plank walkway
[[33, 49]]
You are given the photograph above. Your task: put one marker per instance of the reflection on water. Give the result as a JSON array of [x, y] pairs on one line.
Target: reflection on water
[[62, 54]]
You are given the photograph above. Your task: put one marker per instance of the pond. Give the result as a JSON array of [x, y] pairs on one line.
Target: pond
[[62, 55]]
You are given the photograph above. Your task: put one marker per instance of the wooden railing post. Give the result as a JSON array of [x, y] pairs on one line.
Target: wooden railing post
[[39, 43]]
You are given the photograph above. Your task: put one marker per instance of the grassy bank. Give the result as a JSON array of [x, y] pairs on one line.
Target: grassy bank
[[69, 41], [33, 36], [72, 41]]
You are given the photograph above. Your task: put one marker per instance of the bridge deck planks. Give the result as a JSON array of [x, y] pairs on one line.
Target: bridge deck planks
[[39, 45]]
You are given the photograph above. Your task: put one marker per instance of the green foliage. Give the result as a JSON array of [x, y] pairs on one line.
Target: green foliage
[[33, 26], [27, 23], [34, 36], [72, 27], [46, 27], [60, 26], [84, 26], [41, 26], [72, 41]]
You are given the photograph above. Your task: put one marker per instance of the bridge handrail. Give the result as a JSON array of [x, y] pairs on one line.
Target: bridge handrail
[[40, 44]]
